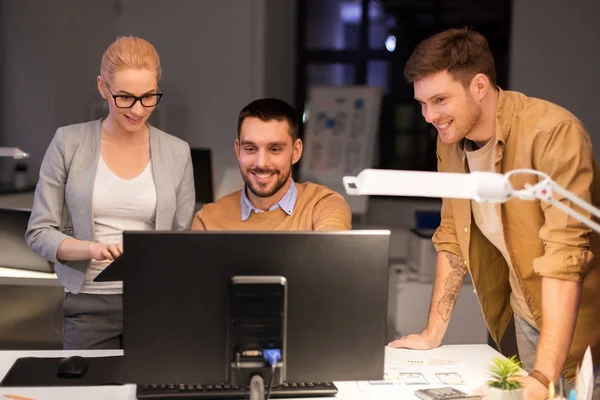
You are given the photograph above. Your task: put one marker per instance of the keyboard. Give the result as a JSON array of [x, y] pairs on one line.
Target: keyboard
[[226, 391]]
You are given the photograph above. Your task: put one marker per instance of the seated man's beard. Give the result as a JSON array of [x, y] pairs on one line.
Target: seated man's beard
[[266, 191]]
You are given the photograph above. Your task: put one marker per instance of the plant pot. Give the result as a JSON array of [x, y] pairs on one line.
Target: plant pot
[[493, 393]]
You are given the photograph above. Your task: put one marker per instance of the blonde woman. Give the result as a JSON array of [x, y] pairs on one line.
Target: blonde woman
[[102, 177]]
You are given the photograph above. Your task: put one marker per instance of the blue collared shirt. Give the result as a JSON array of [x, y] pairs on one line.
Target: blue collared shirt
[[286, 203]]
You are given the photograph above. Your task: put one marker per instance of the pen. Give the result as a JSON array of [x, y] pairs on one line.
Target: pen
[[15, 397]]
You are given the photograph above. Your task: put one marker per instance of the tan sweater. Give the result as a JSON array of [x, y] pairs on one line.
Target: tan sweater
[[317, 209]]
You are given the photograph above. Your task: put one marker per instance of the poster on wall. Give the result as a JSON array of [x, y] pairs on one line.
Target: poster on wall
[[340, 136]]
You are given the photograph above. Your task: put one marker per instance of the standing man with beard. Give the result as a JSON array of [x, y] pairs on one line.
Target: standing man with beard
[[526, 258], [267, 147]]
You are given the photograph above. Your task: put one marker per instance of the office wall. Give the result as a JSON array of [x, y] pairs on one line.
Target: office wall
[[50, 54], [216, 55], [555, 56], [280, 50]]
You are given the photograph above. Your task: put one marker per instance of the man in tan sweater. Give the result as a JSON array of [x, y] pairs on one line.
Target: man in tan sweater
[[267, 147]]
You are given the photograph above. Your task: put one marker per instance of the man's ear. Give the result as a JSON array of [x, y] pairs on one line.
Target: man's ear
[[297, 151], [480, 86]]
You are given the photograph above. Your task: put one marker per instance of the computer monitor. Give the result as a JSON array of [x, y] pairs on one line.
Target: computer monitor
[[14, 252], [201, 163], [176, 298]]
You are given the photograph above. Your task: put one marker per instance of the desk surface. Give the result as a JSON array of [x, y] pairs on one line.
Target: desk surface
[[15, 276], [469, 361]]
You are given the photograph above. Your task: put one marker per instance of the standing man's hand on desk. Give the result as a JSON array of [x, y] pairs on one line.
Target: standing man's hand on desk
[[419, 341], [450, 273]]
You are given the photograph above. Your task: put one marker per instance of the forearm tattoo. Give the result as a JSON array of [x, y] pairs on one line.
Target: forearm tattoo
[[452, 286]]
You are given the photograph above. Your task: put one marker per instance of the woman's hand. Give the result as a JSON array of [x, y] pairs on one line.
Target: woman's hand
[[105, 251]]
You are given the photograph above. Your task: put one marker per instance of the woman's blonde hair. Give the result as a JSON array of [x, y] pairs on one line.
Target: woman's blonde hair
[[129, 52]]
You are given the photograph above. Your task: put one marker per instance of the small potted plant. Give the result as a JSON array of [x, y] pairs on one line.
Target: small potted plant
[[501, 386]]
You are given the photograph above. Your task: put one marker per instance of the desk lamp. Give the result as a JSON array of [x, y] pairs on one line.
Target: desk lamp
[[479, 186]]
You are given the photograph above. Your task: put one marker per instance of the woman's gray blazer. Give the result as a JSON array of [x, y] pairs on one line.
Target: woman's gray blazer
[[62, 205]]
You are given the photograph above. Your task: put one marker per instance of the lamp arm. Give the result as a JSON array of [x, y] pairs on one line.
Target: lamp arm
[[544, 191]]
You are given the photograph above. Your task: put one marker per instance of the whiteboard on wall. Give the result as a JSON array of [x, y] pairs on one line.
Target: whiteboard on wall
[[340, 136]]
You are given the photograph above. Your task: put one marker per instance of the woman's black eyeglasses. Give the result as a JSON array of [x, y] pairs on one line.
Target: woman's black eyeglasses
[[128, 101]]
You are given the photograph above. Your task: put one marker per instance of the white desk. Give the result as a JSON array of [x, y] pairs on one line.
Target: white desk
[[15, 276], [471, 362]]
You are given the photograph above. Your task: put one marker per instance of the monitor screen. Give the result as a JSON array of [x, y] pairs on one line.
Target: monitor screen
[[14, 252], [176, 302], [201, 163]]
